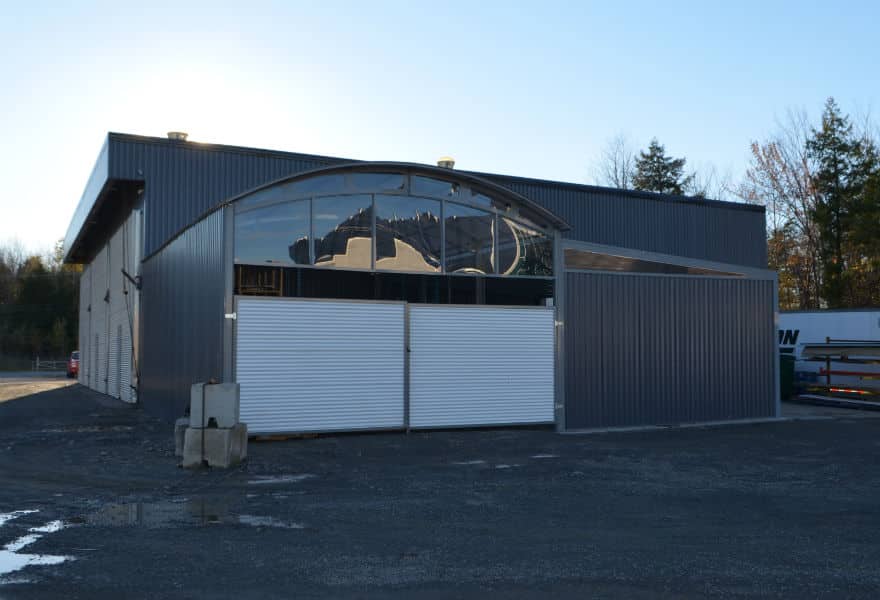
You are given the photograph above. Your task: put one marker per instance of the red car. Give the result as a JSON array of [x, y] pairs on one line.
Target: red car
[[73, 364]]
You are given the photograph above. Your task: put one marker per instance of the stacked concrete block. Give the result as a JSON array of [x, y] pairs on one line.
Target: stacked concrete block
[[212, 435]]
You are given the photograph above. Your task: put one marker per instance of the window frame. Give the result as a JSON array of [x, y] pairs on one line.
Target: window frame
[[498, 210]]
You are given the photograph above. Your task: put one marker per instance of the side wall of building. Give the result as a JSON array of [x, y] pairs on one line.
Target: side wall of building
[[182, 298], [653, 350], [107, 314], [693, 228]]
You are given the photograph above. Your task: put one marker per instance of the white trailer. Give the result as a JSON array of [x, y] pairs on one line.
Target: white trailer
[[797, 328], [837, 353]]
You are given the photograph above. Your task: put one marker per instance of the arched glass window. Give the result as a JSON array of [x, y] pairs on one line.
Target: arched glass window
[[274, 234], [343, 231], [391, 221], [408, 234]]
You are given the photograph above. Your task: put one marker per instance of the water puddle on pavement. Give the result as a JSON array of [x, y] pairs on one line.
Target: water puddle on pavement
[[173, 513], [540, 456], [277, 479], [11, 557], [466, 463], [255, 521]]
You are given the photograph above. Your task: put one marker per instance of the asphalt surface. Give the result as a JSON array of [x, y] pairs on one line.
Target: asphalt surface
[[773, 510]]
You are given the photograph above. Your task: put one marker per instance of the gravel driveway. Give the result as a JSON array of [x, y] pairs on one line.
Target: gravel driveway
[[93, 504]]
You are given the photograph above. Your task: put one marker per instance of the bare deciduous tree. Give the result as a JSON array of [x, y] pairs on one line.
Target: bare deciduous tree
[[708, 182], [780, 176], [615, 164]]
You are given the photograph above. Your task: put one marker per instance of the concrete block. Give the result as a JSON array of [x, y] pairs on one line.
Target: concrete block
[[180, 426], [221, 404], [224, 447]]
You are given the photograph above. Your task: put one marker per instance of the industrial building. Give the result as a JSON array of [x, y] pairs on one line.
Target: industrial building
[[348, 295]]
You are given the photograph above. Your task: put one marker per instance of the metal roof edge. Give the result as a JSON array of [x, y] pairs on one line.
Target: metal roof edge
[[489, 176], [212, 147], [86, 206], [598, 189]]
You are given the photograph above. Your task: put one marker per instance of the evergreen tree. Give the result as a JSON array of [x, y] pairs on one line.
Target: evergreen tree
[[845, 164], [656, 172]]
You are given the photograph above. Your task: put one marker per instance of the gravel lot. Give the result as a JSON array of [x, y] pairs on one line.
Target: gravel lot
[[785, 509]]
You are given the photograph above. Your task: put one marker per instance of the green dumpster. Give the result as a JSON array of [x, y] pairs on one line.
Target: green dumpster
[[786, 376]]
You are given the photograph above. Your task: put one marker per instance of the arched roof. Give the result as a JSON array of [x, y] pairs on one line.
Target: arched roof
[[526, 208]]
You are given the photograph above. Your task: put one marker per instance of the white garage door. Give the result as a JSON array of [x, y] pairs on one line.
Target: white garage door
[[480, 365], [319, 365]]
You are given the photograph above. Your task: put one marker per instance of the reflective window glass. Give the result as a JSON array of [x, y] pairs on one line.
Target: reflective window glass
[[523, 251], [428, 186], [407, 234], [342, 230], [322, 184], [596, 261], [276, 234], [269, 195], [377, 182], [481, 199], [470, 240], [312, 186]]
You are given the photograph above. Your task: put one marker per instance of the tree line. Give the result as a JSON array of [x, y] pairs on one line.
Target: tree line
[[820, 184], [39, 302]]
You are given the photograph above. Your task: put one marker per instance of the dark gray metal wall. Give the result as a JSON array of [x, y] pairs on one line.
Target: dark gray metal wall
[[649, 350], [702, 229], [183, 181], [182, 300]]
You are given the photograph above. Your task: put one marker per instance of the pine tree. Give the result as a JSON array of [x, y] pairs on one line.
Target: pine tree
[[656, 172], [845, 164]]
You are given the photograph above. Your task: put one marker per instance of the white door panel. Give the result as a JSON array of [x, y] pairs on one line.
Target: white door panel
[[481, 365], [319, 365]]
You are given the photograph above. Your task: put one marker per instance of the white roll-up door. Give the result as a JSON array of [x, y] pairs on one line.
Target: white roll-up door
[[481, 365], [319, 365]]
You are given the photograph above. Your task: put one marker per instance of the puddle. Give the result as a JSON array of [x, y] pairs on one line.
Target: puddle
[[170, 513], [161, 514], [11, 560], [503, 466], [255, 521], [539, 456], [270, 479], [470, 462], [89, 429]]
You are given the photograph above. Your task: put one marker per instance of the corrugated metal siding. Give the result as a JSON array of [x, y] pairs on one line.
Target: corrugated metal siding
[[98, 338], [116, 314], [319, 366], [710, 231], [184, 181], [480, 365], [182, 303], [85, 299], [645, 350]]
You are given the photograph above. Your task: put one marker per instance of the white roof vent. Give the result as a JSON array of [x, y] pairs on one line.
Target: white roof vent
[[446, 162], [178, 136]]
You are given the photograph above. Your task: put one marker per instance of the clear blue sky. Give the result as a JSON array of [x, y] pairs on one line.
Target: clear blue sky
[[529, 88]]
